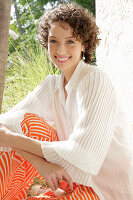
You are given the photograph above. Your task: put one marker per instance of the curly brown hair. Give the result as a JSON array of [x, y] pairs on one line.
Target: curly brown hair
[[79, 18]]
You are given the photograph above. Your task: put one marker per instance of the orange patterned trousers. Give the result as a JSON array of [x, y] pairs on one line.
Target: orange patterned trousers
[[16, 173]]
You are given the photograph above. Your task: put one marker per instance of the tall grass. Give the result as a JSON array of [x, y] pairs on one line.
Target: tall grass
[[25, 70]]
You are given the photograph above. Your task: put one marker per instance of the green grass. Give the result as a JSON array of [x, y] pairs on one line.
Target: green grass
[[25, 70]]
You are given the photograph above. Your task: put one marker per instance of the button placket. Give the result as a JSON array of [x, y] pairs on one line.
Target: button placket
[[62, 99]]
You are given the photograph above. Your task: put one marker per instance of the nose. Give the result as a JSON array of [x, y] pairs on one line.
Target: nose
[[61, 49]]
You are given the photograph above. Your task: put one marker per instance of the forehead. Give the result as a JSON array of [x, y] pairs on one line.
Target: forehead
[[60, 28]]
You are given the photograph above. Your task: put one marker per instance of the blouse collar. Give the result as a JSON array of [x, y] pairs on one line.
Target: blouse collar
[[75, 78]]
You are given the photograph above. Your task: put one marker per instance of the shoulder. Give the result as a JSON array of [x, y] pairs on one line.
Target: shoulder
[[91, 72], [87, 70], [95, 79], [50, 84]]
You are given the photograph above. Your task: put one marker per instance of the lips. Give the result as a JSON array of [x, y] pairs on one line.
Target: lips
[[62, 59]]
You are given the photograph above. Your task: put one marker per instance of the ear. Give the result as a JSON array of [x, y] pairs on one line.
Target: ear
[[84, 46]]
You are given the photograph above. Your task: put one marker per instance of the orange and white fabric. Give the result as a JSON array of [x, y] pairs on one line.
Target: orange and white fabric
[[16, 174]]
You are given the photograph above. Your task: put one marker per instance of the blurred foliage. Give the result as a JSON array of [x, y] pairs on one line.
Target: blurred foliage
[[22, 41], [89, 4], [29, 12]]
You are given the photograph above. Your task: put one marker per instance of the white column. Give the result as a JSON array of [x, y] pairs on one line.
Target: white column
[[115, 53]]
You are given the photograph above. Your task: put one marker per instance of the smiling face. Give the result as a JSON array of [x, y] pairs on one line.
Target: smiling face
[[63, 48]]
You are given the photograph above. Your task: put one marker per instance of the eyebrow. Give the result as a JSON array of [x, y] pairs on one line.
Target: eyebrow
[[64, 38]]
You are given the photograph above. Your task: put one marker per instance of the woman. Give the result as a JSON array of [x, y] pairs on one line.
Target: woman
[[94, 148]]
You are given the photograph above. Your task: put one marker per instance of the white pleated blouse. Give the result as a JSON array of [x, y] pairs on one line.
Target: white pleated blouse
[[96, 146]]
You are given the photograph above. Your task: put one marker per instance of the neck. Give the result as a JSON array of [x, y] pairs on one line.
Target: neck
[[67, 75], [68, 72]]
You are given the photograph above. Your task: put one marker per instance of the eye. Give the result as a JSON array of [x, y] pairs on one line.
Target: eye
[[70, 42], [52, 41]]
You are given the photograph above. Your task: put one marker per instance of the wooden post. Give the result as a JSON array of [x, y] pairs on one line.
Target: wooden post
[[5, 7]]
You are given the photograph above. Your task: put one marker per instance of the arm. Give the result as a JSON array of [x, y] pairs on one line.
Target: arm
[[30, 149], [40, 97], [21, 142], [50, 172]]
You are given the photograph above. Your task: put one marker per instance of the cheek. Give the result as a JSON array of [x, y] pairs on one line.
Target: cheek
[[50, 50], [76, 51], [75, 48], [71, 49]]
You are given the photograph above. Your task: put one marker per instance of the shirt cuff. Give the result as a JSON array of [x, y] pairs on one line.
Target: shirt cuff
[[76, 174]]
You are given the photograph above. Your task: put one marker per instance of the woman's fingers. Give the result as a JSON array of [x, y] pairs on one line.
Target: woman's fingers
[[68, 179], [53, 174], [50, 183], [55, 182]]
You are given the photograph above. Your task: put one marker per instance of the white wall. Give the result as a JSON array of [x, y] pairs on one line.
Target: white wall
[[115, 53]]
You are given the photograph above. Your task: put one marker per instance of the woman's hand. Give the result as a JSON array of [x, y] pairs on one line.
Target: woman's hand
[[28, 147], [52, 173]]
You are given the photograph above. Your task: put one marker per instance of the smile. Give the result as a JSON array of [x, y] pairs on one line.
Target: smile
[[62, 59]]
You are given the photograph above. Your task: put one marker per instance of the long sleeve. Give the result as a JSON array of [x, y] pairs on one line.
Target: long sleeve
[[38, 101], [83, 154]]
